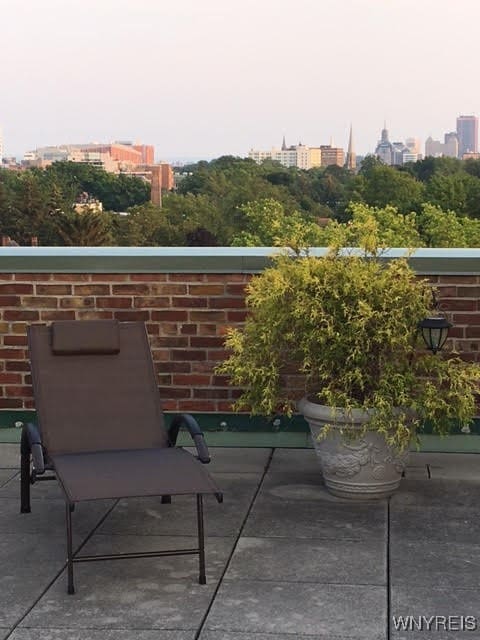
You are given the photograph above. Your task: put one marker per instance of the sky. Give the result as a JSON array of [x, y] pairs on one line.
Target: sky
[[204, 78]]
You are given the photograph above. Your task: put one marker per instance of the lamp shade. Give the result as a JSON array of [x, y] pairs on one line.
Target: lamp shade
[[434, 332]]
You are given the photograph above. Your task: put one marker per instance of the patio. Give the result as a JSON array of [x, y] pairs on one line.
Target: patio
[[284, 558]]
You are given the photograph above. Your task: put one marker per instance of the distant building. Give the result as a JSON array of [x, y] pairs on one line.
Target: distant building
[[449, 147], [467, 132], [332, 155], [1, 146], [300, 156], [384, 149], [351, 159], [114, 157], [396, 153]]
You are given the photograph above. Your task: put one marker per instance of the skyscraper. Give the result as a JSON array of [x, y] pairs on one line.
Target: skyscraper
[[467, 133]]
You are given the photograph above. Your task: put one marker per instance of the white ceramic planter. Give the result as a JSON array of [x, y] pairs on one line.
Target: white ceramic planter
[[363, 469]]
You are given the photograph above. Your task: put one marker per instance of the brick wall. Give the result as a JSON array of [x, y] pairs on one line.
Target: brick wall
[[186, 316]]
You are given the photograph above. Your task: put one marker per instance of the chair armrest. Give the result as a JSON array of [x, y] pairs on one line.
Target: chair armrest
[[31, 442], [188, 421]]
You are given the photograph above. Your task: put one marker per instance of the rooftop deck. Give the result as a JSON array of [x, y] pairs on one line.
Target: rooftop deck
[[284, 558]]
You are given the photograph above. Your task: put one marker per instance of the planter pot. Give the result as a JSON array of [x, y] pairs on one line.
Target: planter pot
[[361, 469]]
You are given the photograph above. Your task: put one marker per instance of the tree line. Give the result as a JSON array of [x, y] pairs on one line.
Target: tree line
[[234, 201]]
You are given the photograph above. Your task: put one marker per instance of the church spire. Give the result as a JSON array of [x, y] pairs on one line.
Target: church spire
[[351, 160], [284, 144]]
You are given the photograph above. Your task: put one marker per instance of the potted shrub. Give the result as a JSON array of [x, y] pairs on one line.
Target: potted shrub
[[342, 331]]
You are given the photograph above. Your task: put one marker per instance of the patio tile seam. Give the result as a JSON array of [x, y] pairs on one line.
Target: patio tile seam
[[235, 544], [59, 573], [307, 581]]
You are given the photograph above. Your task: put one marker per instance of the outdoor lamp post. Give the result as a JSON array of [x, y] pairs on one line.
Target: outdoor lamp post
[[434, 332]]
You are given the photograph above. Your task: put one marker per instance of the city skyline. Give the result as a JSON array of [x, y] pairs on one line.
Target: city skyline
[[213, 78]]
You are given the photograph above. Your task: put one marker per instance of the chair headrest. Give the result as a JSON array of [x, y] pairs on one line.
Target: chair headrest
[[85, 337]]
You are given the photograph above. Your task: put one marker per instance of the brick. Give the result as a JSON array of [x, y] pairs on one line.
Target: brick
[[15, 341], [16, 288], [151, 302], [458, 279], [221, 394], [207, 329], [191, 379], [189, 302], [470, 332], [113, 302], [18, 391], [189, 354], [237, 316], [170, 315], [167, 329], [148, 277], [168, 289], [224, 407], [203, 367], [164, 379], [206, 289], [94, 315], [468, 292], [186, 277], [10, 403], [29, 403], [172, 392], [161, 355], [206, 342], [207, 316], [10, 378], [4, 326], [53, 289], [457, 332], [19, 327], [71, 277], [49, 316], [217, 355], [6, 276], [17, 365], [75, 302], [171, 342], [220, 381], [33, 277], [466, 318], [110, 277], [173, 367], [128, 316], [91, 289], [42, 302], [10, 301], [223, 277], [195, 405], [458, 304], [188, 329], [153, 329], [10, 314], [226, 303], [12, 354], [447, 292], [235, 289], [170, 405], [130, 289]]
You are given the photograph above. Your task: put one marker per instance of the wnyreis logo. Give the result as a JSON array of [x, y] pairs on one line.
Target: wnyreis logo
[[435, 623]]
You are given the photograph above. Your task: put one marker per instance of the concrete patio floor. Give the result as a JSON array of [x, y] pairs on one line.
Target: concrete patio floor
[[284, 558]]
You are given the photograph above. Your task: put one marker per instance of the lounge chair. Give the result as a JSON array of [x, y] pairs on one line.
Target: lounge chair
[[101, 431]]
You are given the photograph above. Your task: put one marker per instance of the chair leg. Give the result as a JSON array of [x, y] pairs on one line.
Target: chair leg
[[202, 579], [25, 480], [70, 586], [166, 499]]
